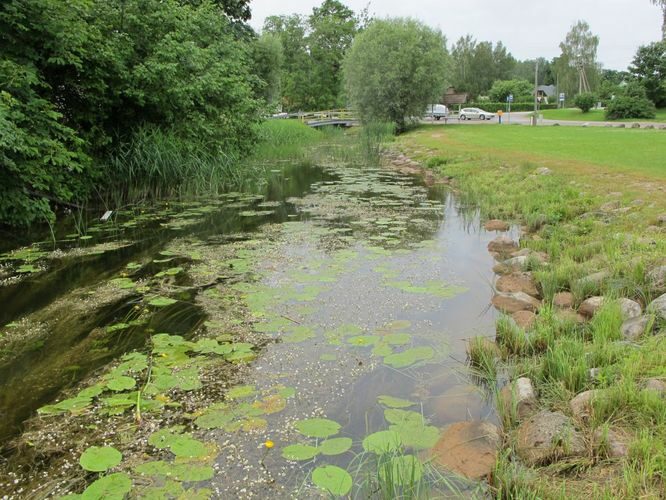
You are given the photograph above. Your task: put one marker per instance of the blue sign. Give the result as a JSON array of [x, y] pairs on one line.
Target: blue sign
[[562, 96], [509, 98]]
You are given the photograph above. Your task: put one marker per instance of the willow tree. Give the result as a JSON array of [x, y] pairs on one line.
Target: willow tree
[[579, 49], [394, 69]]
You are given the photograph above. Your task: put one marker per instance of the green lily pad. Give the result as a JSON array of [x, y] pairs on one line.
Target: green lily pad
[[161, 302], [335, 446], [241, 392], [299, 452], [187, 447], [363, 340], [317, 427], [111, 487], [180, 472], [418, 437], [409, 357], [332, 479], [382, 442], [121, 383], [392, 402], [100, 459], [398, 338]]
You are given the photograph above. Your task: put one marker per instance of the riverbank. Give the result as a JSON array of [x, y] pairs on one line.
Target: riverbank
[[581, 345]]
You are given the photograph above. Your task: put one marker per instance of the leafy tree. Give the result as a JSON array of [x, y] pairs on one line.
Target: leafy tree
[[268, 60], [662, 5], [632, 103], [394, 69], [476, 65], [521, 90], [649, 69], [579, 51], [585, 101]]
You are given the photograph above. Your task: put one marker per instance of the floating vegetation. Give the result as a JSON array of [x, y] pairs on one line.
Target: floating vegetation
[[100, 459], [332, 479]]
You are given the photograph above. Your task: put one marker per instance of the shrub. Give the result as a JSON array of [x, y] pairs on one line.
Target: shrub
[[520, 89], [630, 107], [585, 101]]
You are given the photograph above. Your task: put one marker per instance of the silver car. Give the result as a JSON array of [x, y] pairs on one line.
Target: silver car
[[472, 113]]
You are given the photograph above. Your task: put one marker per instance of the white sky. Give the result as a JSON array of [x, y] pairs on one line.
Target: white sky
[[529, 28]]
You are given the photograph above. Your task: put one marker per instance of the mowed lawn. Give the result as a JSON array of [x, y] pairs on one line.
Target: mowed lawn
[[594, 115], [636, 151]]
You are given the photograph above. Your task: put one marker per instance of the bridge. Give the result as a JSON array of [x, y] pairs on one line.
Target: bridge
[[330, 118]]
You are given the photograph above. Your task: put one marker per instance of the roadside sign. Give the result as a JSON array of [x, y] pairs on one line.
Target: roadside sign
[[509, 98], [562, 97]]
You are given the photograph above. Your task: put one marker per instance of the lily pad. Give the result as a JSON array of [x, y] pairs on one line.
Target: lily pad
[[317, 427], [121, 383], [335, 446], [382, 442], [161, 302], [392, 402], [299, 452], [363, 340], [332, 479], [111, 487], [179, 472], [397, 338], [409, 357], [241, 392], [100, 459]]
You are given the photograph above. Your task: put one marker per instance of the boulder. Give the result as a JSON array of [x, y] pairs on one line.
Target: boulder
[[595, 279], [581, 405], [510, 303], [590, 306], [634, 328], [496, 225], [610, 206], [658, 307], [571, 316], [547, 436], [657, 278], [524, 319], [543, 171], [517, 282], [519, 396], [662, 219], [630, 308], [468, 449], [563, 300], [502, 244], [611, 443]]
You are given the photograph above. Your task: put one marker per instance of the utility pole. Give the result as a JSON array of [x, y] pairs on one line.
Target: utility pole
[[536, 92]]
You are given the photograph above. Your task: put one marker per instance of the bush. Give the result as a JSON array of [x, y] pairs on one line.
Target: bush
[[585, 101], [630, 107], [520, 89]]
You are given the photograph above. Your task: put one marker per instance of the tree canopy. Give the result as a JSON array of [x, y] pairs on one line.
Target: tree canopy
[[394, 69]]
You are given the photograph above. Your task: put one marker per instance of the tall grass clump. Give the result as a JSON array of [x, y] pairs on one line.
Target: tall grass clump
[[156, 163], [372, 138], [281, 140]]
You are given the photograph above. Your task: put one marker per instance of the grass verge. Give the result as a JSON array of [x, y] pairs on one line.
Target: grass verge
[[594, 115]]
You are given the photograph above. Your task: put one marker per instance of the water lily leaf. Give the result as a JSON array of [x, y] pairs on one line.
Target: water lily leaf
[[111, 487], [253, 424], [404, 470], [328, 357], [123, 283], [399, 324], [392, 402], [117, 327], [100, 459], [401, 417], [398, 338], [169, 272], [382, 442], [187, 447], [216, 419], [73, 405], [335, 446], [332, 479], [287, 392], [241, 392], [363, 340], [409, 357], [272, 404], [382, 349], [298, 334], [317, 427], [419, 437], [121, 383], [299, 452], [161, 302]]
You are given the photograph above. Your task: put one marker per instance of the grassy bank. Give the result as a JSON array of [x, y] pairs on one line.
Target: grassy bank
[[594, 115], [594, 211]]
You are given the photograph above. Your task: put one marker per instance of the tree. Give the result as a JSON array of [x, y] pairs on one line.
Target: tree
[[476, 65], [268, 60], [579, 50], [632, 103], [394, 69], [522, 90], [585, 101], [649, 69], [662, 5]]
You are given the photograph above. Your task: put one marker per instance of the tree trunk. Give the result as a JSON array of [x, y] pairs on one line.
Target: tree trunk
[[663, 25]]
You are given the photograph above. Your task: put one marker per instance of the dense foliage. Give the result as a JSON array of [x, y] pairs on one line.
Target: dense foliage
[[585, 101], [649, 69], [632, 103], [313, 49], [521, 90], [476, 65], [78, 79], [394, 69]]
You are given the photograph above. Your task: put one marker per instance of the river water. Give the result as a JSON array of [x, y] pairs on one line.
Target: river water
[[360, 286]]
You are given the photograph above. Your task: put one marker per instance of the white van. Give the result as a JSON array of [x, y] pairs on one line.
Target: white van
[[436, 111]]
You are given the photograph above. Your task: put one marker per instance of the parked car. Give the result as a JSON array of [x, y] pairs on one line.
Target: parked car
[[436, 111], [472, 113]]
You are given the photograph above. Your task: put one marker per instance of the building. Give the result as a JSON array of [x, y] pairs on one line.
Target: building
[[454, 99]]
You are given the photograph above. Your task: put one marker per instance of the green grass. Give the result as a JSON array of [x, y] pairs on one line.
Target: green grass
[[637, 151], [594, 115]]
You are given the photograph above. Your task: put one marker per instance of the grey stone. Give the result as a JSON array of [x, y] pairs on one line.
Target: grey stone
[[563, 300], [502, 244], [657, 278], [630, 308], [635, 125], [590, 306], [611, 205], [510, 303], [581, 405], [520, 396], [611, 443], [658, 307], [547, 436], [594, 279], [543, 171], [654, 384], [634, 328]]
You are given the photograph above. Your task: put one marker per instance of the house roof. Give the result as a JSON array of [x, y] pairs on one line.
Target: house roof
[[549, 90]]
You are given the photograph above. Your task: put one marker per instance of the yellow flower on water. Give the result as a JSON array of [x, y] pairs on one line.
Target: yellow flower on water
[[269, 444]]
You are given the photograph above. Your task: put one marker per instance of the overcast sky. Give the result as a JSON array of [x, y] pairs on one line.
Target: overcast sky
[[529, 28]]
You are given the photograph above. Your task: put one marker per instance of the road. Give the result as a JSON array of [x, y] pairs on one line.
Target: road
[[523, 118]]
